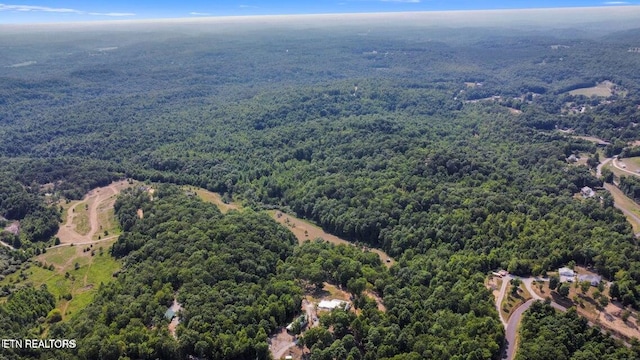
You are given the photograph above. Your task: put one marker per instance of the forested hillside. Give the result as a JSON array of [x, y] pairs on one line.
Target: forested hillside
[[437, 147]]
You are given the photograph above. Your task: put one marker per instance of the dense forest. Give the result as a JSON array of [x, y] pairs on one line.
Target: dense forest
[[439, 148]]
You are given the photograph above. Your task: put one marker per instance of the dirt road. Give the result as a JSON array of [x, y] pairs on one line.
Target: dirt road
[[96, 197], [618, 167], [6, 245]]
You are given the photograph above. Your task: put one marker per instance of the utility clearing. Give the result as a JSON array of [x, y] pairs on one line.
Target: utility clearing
[[302, 229]]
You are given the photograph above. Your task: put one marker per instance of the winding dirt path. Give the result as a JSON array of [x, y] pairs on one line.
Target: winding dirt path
[[95, 198]]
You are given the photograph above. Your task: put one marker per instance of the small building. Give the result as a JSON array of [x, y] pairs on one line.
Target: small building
[[302, 320], [566, 274], [594, 280], [169, 314], [587, 192], [332, 304], [500, 273]]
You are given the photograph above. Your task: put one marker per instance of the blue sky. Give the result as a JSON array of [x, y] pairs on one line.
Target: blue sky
[[30, 11]]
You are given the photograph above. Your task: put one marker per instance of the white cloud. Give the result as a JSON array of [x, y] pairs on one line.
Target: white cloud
[[36, 8], [195, 13], [28, 8]]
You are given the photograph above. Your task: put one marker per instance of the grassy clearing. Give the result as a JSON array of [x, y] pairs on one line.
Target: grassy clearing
[[617, 172], [76, 273], [106, 222], [216, 199], [592, 91], [604, 89], [633, 163], [81, 218], [624, 202], [65, 208], [305, 230], [58, 256]]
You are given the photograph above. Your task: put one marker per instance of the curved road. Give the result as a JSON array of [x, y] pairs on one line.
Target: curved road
[[600, 166], [511, 327], [615, 165]]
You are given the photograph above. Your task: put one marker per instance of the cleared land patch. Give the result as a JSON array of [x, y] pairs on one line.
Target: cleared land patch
[[304, 230], [632, 212], [603, 89], [215, 198], [73, 270], [71, 273], [633, 163]]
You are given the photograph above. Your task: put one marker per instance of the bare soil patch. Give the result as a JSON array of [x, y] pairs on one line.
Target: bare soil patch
[[494, 283], [104, 198], [282, 344]]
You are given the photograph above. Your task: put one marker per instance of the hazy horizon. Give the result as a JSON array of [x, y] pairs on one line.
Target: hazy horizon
[[620, 17]]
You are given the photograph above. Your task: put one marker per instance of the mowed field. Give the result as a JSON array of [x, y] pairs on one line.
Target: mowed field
[[73, 270], [71, 273], [603, 89], [633, 164], [630, 208]]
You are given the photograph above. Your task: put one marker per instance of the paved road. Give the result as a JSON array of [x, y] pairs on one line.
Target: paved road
[[511, 327]]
